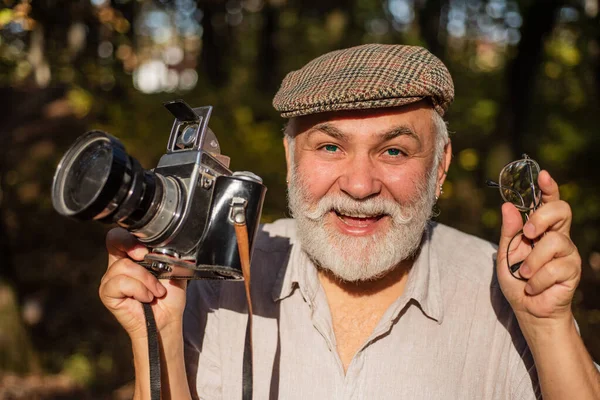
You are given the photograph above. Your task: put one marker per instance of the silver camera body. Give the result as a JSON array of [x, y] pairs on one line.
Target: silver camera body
[[182, 210]]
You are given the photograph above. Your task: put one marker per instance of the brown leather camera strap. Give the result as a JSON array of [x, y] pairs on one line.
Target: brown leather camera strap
[[241, 233]]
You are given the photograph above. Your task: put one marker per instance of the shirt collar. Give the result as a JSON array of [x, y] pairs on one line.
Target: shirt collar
[[423, 283], [300, 272]]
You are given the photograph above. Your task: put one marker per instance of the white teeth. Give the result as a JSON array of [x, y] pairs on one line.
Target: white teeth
[[356, 215]]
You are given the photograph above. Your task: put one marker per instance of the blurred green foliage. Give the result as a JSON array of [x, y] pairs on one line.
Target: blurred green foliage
[[527, 78]]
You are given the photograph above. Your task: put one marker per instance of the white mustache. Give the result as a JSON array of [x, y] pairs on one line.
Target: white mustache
[[375, 206]]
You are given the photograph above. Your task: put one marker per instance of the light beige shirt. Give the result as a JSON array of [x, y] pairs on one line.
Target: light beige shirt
[[450, 335]]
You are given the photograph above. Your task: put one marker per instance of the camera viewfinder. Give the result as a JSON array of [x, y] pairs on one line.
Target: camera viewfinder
[[186, 136]]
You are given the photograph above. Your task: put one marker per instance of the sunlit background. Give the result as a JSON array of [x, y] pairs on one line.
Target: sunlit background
[[527, 77]]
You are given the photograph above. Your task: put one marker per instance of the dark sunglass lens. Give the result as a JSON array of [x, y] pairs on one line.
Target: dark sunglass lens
[[518, 182]]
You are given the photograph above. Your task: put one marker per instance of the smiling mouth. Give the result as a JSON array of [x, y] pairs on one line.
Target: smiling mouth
[[358, 220]]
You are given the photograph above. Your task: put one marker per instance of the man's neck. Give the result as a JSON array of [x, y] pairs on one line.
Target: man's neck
[[390, 285], [356, 308]]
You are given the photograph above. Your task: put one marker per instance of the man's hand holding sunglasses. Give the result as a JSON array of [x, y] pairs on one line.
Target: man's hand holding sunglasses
[[551, 269], [542, 297]]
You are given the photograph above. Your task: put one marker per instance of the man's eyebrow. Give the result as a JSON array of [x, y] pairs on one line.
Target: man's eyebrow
[[401, 130], [328, 129]]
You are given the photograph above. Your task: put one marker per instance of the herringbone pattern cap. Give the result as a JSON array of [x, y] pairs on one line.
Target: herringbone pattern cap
[[364, 77]]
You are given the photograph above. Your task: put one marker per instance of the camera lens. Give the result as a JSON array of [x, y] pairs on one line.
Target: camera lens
[[97, 179], [87, 175]]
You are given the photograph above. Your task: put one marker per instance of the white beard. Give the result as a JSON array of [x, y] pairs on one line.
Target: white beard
[[360, 258]]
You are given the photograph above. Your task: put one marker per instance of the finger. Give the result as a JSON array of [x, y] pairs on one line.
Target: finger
[[553, 273], [509, 237], [548, 186], [130, 268], [550, 246], [121, 286], [554, 216], [121, 243]]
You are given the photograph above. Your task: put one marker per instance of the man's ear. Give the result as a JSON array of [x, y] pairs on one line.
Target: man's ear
[[288, 159], [444, 165]]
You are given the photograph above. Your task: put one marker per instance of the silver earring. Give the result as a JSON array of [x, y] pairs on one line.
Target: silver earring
[[441, 193]]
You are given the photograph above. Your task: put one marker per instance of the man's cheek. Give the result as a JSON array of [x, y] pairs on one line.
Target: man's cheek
[[403, 186], [318, 179]]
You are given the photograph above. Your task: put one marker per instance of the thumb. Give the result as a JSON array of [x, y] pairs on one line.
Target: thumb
[[512, 223]]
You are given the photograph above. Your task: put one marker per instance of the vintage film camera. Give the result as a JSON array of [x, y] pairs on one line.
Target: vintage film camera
[[183, 209]]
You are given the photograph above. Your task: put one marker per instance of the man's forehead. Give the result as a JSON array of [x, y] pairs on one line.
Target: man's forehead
[[416, 117]]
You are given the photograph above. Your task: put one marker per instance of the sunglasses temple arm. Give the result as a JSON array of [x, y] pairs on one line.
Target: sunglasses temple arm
[[532, 184]]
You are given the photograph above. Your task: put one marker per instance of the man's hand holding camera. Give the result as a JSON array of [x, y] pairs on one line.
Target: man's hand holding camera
[[124, 285], [127, 283]]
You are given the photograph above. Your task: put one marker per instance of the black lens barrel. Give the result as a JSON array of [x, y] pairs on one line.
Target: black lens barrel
[[116, 187], [146, 205]]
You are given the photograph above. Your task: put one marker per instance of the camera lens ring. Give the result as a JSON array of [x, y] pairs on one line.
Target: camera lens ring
[[151, 203], [134, 191], [170, 206], [69, 195]]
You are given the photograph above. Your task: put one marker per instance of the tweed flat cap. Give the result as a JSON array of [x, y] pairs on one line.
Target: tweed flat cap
[[365, 77]]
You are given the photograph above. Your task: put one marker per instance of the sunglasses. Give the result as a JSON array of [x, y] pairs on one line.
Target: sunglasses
[[518, 185]]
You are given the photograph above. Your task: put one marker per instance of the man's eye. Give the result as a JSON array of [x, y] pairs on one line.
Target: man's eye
[[332, 148], [393, 152]]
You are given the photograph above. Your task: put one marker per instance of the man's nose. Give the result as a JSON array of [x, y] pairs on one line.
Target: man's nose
[[359, 179]]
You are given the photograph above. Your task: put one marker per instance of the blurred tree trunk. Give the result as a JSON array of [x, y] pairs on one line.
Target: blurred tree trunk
[[268, 53], [17, 107], [429, 18], [596, 25], [538, 22], [215, 42], [353, 29]]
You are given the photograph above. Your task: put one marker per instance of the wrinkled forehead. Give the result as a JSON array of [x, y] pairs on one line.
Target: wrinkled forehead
[[417, 117]]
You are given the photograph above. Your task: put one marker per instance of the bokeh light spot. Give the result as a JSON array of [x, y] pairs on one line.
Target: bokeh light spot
[[468, 159], [490, 218]]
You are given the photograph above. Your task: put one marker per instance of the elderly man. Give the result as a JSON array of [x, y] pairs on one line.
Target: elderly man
[[360, 296]]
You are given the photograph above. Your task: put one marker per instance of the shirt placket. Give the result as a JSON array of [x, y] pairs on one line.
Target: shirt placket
[[355, 374], [321, 320], [348, 384]]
